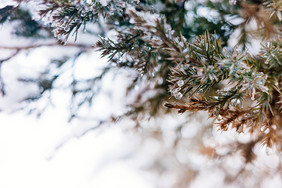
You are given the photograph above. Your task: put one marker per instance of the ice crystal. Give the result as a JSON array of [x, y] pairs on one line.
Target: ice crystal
[[178, 95], [180, 83]]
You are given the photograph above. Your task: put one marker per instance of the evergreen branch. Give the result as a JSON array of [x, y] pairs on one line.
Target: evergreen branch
[[68, 16], [203, 70]]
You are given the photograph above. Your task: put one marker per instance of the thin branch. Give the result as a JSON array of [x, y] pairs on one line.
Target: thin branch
[[2, 84], [46, 45], [10, 57], [20, 48]]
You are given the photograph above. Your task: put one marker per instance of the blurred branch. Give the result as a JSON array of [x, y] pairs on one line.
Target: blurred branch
[[18, 49], [45, 45], [2, 84]]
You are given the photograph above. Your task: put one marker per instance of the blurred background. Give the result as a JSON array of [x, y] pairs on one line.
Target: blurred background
[[61, 125]]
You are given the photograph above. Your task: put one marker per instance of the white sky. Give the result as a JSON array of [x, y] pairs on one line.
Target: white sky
[[27, 144]]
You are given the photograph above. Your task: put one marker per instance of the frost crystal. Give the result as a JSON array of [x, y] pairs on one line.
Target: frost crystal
[[178, 95], [104, 2], [175, 91], [235, 102], [180, 83], [219, 118], [67, 28], [83, 14], [182, 69], [186, 66]]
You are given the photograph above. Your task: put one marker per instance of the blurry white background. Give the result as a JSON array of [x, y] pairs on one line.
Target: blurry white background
[[50, 152]]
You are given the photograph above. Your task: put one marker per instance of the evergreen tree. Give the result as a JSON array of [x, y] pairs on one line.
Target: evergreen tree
[[182, 57]]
